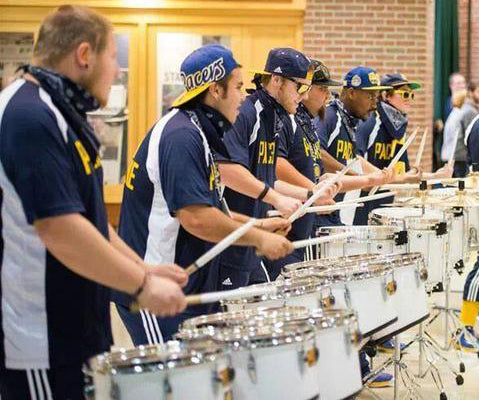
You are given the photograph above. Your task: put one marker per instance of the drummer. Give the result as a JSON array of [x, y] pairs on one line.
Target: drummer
[[337, 132], [381, 137], [469, 340], [59, 255], [299, 158], [172, 202], [250, 173]]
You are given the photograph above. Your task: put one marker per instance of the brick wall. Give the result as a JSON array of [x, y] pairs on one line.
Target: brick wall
[[463, 26], [389, 35]]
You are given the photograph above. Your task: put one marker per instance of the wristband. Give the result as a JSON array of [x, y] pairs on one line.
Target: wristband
[[265, 191], [139, 291]]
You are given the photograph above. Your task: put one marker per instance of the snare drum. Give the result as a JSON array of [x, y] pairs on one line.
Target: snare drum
[[171, 371], [271, 361], [307, 292], [410, 299], [464, 227], [337, 338], [364, 284], [366, 240], [427, 234]]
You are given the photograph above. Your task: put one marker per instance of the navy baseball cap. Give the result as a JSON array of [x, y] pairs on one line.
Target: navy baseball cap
[[204, 66], [363, 78], [321, 75], [397, 79], [287, 62]]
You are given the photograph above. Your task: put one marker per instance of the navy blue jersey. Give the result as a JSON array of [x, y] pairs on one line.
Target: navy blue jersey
[[302, 149], [173, 168], [471, 140], [50, 316], [381, 137], [253, 143], [337, 133]]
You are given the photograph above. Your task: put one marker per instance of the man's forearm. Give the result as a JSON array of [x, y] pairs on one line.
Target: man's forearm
[[294, 191], [118, 243], [286, 172], [75, 242]]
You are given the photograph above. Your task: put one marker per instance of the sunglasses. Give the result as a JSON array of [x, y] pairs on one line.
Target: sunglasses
[[405, 94], [301, 88]]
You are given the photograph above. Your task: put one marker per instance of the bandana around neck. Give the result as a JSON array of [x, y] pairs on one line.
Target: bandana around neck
[[73, 102]]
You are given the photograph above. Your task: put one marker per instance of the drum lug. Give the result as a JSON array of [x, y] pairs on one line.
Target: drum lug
[[224, 377], [441, 228], [308, 357], [400, 238], [391, 287], [252, 369], [328, 301], [422, 274]]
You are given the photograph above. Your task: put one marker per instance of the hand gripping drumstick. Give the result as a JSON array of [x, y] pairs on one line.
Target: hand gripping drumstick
[[342, 204], [213, 297], [211, 253], [421, 149], [397, 157], [220, 246], [316, 209], [328, 183]]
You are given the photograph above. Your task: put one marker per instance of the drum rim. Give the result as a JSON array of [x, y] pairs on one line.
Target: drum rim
[[168, 360]]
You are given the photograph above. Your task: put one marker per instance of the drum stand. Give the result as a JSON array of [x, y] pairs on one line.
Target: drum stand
[[400, 373]]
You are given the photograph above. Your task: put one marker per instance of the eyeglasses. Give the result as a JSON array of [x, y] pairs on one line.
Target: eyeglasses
[[405, 94], [301, 88]]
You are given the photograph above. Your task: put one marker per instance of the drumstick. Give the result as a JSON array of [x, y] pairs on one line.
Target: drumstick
[[454, 145], [421, 149], [213, 297], [220, 246], [340, 205], [298, 244], [210, 254], [406, 186], [330, 182], [333, 207], [397, 157]]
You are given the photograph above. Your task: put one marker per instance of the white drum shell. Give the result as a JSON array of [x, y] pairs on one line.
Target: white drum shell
[[425, 241], [410, 301], [369, 299], [186, 383], [338, 365], [280, 374]]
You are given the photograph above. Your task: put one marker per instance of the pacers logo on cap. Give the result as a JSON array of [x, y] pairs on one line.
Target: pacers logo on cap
[[211, 73]]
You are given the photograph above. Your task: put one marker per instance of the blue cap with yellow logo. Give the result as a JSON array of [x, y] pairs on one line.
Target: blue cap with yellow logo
[[397, 79], [363, 78], [206, 65]]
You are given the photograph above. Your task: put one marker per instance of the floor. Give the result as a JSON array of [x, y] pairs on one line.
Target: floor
[[426, 388]]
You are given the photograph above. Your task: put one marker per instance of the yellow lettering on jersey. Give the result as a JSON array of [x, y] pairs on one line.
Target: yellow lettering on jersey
[[85, 158], [97, 163], [400, 168], [344, 150], [214, 177], [130, 175], [266, 152], [307, 147], [383, 151]]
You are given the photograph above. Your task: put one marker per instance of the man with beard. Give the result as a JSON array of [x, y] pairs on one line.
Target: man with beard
[[299, 158], [337, 133], [59, 256], [381, 137], [250, 173], [172, 205]]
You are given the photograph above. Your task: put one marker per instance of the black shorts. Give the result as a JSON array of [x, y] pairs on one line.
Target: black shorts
[[66, 383]]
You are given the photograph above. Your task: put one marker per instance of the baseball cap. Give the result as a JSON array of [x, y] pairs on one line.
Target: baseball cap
[[363, 78], [397, 79], [321, 75], [287, 62], [204, 66]]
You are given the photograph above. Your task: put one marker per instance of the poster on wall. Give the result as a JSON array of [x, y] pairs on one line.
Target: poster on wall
[[16, 49], [172, 49]]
